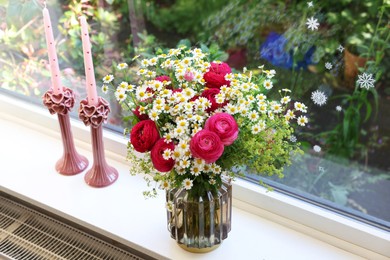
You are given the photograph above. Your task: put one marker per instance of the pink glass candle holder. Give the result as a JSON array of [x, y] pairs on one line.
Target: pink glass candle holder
[[101, 174], [71, 162]]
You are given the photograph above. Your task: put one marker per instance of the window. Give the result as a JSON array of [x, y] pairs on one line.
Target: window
[[332, 54]]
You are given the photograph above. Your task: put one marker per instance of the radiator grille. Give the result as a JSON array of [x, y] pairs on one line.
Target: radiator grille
[[28, 234]]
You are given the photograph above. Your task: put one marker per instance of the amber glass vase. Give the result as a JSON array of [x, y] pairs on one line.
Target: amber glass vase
[[200, 223]]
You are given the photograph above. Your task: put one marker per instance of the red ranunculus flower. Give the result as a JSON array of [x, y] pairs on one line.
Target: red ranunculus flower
[[140, 117], [144, 135], [166, 78], [210, 94], [215, 77], [156, 155], [206, 145], [224, 125]]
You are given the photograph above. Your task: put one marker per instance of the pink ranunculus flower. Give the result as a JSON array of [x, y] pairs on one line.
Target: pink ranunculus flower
[[224, 125], [156, 154], [206, 145]]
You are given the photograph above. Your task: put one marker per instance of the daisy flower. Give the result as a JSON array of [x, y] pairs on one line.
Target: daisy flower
[[167, 154], [253, 116], [285, 100], [187, 183], [120, 96], [122, 66], [302, 120], [338, 108], [105, 89], [108, 78], [165, 185], [267, 84]]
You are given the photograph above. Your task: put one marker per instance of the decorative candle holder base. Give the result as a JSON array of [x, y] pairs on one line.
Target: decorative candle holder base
[[71, 162], [101, 174]]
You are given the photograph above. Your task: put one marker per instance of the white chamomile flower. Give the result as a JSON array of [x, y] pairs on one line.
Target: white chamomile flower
[[340, 48], [165, 185], [289, 115], [276, 107], [267, 84], [256, 129], [365, 81], [167, 154], [120, 96], [122, 66], [195, 170], [263, 108], [319, 98], [270, 73], [145, 63], [310, 4], [339, 108], [285, 100], [123, 85], [253, 116], [312, 23], [300, 107], [184, 163], [105, 89], [130, 87], [229, 76], [176, 154], [302, 120], [108, 78], [328, 65], [153, 61], [212, 181], [167, 137], [179, 131], [187, 183], [154, 115], [317, 148], [231, 109]]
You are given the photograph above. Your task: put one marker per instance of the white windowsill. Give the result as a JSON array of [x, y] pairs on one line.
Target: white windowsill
[[266, 225]]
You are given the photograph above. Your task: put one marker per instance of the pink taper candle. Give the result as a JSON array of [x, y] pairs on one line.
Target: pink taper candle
[[54, 68], [88, 63]]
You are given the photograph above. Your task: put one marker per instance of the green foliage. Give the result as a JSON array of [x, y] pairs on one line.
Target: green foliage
[[182, 16], [104, 25]]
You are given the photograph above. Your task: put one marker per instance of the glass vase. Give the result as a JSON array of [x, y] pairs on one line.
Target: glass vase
[[199, 224]]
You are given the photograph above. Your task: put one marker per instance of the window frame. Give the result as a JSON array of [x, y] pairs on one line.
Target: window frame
[[321, 223]]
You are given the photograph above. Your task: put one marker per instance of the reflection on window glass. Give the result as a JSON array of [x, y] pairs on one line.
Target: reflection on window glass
[[331, 53]]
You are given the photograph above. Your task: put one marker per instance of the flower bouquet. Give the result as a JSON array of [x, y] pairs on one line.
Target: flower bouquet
[[197, 124]]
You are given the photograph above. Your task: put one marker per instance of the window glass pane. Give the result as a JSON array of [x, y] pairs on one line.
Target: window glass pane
[[330, 54]]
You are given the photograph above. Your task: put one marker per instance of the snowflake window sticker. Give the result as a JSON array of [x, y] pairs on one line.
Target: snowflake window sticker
[[340, 48], [312, 23], [319, 98], [328, 65], [365, 81]]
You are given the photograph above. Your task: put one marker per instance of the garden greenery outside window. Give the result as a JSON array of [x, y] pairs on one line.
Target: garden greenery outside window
[[330, 53]]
